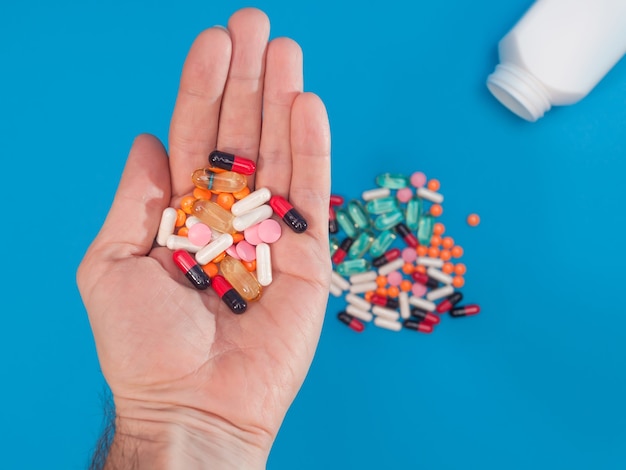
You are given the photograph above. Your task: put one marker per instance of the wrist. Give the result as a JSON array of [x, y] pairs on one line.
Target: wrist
[[161, 436]]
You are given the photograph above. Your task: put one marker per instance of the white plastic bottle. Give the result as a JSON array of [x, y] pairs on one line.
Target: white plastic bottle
[[557, 53]]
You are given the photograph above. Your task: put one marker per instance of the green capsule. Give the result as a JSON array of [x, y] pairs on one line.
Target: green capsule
[[425, 229], [345, 222], [333, 245], [382, 242], [361, 244], [388, 220], [413, 213], [352, 266], [382, 205], [392, 180], [358, 215]]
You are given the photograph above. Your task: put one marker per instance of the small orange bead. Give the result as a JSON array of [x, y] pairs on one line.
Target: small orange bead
[[435, 240], [202, 193], [381, 281], [406, 285], [237, 237], [226, 200], [436, 210], [219, 257], [241, 194], [210, 269], [460, 269], [433, 252], [458, 281], [250, 265], [433, 185], [457, 251], [408, 268], [181, 217], [421, 250], [445, 255], [393, 291], [382, 291], [473, 220], [186, 204], [447, 242], [420, 269], [447, 268], [439, 229], [183, 231], [368, 295]]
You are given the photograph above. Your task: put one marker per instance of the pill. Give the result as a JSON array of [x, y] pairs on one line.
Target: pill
[[429, 262], [333, 226], [336, 200], [418, 179], [263, 264], [391, 266], [352, 266], [406, 235], [464, 311], [375, 193], [384, 301], [177, 242], [473, 220], [414, 325], [228, 161], [419, 290], [167, 225], [429, 195], [191, 221], [354, 323], [404, 194], [363, 277], [228, 294], [424, 316], [226, 182], [409, 255], [246, 251], [341, 252], [439, 276], [358, 301], [388, 324], [395, 278], [386, 257], [269, 231], [440, 292], [384, 312], [213, 215], [199, 234], [425, 279], [339, 281], [335, 290], [252, 217], [424, 304], [362, 287], [449, 302], [403, 303], [288, 214], [359, 313], [214, 248], [251, 201], [191, 269], [244, 282]]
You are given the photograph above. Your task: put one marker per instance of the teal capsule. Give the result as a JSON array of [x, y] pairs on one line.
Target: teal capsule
[[392, 180], [358, 215], [345, 222], [352, 266], [382, 205], [333, 245], [425, 229], [413, 211], [361, 245], [388, 220], [382, 242]]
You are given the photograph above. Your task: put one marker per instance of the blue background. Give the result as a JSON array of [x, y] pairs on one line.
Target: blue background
[[537, 380]]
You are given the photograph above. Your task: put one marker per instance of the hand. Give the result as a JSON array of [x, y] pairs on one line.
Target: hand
[[192, 381]]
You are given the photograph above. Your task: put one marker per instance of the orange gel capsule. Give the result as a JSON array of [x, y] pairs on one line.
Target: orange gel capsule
[[225, 182], [213, 215], [242, 280]]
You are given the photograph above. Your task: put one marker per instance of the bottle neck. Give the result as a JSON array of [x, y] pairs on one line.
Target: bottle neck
[[519, 91]]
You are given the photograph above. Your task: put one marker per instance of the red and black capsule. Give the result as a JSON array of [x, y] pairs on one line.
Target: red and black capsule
[[193, 271], [354, 323], [386, 257], [422, 315], [425, 279], [290, 216], [228, 161], [228, 294], [416, 325], [333, 226], [384, 301], [449, 302], [406, 234], [464, 311], [340, 253]]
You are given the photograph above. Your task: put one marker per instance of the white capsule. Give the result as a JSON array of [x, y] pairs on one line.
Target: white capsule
[[167, 225], [335, 290], [357, 301], [356, 312], [439, 276], [388, 324], [375, 193], [431, 196], [176, 242], [390, 267], [263, 264], [339, 280], [214, 248], [422, 303], [251, 201], [429, 262], [440, 292], [363, 277], [403, 303], [191, 221], [363, 287], [252, 217], [384, 312]]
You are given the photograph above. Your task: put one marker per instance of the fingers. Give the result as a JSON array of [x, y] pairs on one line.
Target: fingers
[[283, 82], [194, 124], [240, 118], [309, 191]]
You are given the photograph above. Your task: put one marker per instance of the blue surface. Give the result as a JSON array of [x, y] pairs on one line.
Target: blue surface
[[537, 380]]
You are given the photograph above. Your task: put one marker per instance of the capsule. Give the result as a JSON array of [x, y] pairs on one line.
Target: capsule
[[358, 215], [388, 220], [251, 201], [392, 180], [345, 222], [425, 229], [213, 215], [382, 205], [352, 266], [290, 216], [228, 294], [386, 257], [336, 200], [384, 301], [418, 326], [192, 270], [341, 252], [406, 235], [465, 311], [225, 182], [449, 302], [228, 161], [167, 225], [352, 322], [413, 212], [424, 316], [263, 264], [425, 279], [333, 227], [382, 243], [240, 278], [361, 245]]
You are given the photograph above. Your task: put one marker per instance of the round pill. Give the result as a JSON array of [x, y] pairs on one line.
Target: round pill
[[269, 231], [251, 234], [418, 290], [246, 251], [418, 179], [409, 254], [404, 194], [473, 220], [231, 251], [394, 278], [199, 234]]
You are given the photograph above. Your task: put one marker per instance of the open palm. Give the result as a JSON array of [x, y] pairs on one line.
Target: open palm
[[162, 344]]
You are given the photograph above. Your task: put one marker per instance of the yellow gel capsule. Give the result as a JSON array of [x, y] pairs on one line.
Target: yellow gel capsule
[[223, 182], [244, 282], [213, 215]]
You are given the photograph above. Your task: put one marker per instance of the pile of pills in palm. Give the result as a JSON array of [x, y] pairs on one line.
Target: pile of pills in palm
[[221, 235], [392, 260]]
